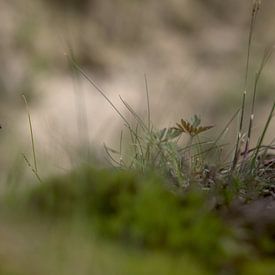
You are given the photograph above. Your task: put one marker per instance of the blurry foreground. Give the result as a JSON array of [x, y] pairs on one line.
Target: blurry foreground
[[193, 53], [109, 222]]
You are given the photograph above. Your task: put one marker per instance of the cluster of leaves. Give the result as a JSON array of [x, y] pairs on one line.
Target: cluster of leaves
[[167, 151]]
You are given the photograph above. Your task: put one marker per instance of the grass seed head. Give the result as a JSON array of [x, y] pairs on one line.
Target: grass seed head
[[256, 6]]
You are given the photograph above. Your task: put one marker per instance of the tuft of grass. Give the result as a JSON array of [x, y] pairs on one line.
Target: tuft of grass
[[182, 152]]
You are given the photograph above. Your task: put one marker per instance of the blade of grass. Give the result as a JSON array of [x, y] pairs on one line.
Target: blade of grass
[[266, 57], [148, 102], [255, 10], [81, 110], [93, 83], [211, 149], [108, 152], [237, 146], [31, 133], [138, 143], [120, 146], [225, 129], [32, 169], [135, 115], [260, 141]]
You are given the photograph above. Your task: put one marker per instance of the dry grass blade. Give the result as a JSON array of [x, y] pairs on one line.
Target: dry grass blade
[[253, 163], [225, 129], [148, 102], [267, 54], [255, 9], [92, 82], [33, 170], [109, 152], [135, 115], [31, 133]]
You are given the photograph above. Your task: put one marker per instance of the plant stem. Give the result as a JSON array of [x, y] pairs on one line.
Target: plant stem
[[31, 132]]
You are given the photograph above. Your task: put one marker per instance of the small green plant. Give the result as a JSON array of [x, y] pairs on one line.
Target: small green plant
[[197, 159]]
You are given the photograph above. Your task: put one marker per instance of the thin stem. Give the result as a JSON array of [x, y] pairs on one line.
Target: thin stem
[[255, 10], [31, 132], [266, 57], [92, 82], [148, 103], [237, 149], [81, 110], [224, 129], [33, 170], [135, 115], [253, 164]]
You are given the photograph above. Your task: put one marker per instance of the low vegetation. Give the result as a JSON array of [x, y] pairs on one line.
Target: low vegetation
[[173, 201]]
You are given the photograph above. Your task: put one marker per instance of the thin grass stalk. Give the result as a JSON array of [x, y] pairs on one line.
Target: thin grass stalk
[[148, 103], [107, 150], [31, 133], [133, 142], [262, 147], [154, 159], [190, 152], [135, 115], [138, 142], [255, 10], [237, 147], [199, 150], [81, 109], [225, 129], [120, 147], [267, 54], [92, 82], [148, 150], [136, 145], [266, 57], [260, 141], [195, 144], [211, 149], [32, 168]]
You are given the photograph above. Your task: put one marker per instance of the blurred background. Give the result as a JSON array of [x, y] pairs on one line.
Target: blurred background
[[193, 53]]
